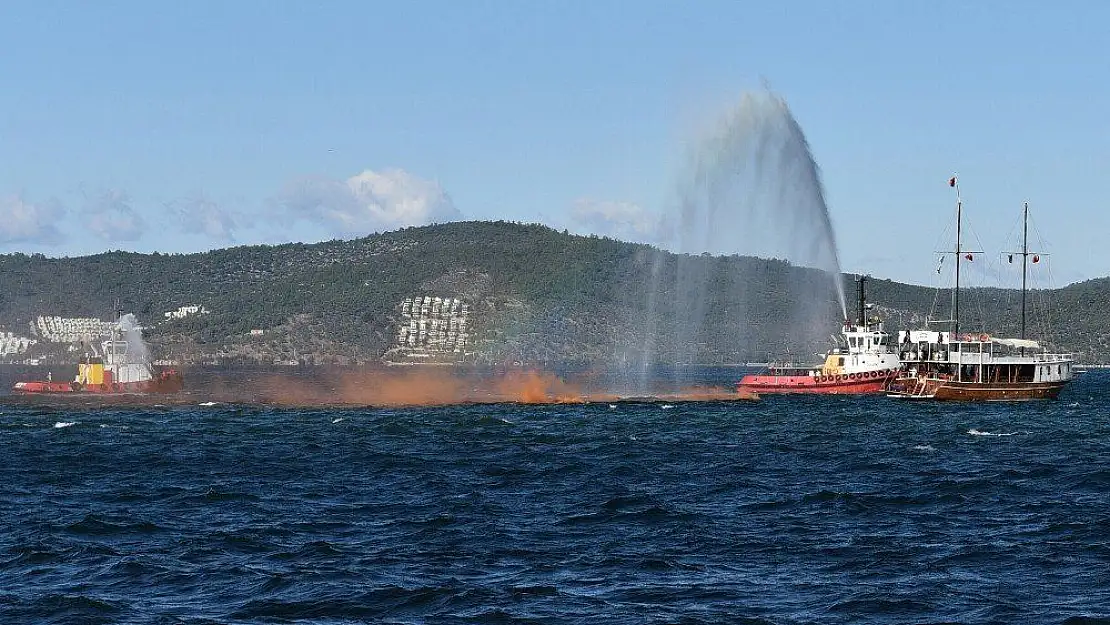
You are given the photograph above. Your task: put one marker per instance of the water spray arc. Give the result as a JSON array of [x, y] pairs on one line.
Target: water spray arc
[[750, 186]]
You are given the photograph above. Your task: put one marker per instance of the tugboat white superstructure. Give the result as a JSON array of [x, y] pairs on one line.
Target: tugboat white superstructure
[[864, 364]]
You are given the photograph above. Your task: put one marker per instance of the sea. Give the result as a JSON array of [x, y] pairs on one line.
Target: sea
[[783, 510]]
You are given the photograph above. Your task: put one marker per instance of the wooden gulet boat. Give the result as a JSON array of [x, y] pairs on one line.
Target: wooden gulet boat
[[951, 365]]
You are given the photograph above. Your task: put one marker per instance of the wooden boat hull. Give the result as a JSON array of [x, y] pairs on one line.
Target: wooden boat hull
[[949, 390]]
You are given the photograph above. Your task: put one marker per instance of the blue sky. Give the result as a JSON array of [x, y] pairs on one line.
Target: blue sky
[[195, 125]]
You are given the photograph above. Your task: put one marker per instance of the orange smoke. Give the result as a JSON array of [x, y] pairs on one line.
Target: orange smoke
[[440, 387], [530, 387]]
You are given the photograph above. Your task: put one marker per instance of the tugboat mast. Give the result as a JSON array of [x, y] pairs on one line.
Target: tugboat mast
[[862, 321]]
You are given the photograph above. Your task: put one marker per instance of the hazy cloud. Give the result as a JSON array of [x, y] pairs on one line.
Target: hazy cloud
[[203, 216], [620, 220], [110, 217], [368, 202], [24, 222]]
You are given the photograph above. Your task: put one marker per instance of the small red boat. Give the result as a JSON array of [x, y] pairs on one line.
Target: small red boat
[[864, 364], [122, 367]]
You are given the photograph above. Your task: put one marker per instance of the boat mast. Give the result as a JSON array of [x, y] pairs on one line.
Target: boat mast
[[859, 293], [1024, 264], [956, 292]]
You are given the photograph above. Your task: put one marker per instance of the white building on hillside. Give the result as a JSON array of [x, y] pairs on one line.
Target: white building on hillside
[[71, 329], [186, 311], [10, 344], [431, 327]]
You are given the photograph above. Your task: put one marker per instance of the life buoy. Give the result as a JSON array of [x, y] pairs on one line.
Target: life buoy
[[984, 337]]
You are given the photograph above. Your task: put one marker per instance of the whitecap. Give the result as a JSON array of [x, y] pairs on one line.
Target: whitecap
[[207, 404], [337, 420], [924, 448], [667, 406], [64, 424], [975, 432], [612, 406], [1074, 404]]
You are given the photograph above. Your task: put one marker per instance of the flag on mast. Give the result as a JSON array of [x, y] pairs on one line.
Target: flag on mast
[[952, 181]]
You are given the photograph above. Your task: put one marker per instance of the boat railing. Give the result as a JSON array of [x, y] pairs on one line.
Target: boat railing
[[1061, 357]]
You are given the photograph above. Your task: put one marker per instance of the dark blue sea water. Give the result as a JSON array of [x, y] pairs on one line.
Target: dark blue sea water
[[792, 510]]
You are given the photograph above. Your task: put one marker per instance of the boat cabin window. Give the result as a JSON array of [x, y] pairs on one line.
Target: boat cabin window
[[840, 362]]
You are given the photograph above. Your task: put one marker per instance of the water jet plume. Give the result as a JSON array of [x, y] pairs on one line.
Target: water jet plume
[[751, 187]]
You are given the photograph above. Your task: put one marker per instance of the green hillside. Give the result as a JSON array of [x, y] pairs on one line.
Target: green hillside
[[535, 295]]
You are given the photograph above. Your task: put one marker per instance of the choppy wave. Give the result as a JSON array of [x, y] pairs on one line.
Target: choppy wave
[[787, 510]]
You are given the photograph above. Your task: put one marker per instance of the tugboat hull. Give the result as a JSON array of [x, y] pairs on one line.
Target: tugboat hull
[[866, 383], [166, 382]]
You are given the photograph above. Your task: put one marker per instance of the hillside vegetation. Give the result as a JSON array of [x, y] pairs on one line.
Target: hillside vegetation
[[536, 296]]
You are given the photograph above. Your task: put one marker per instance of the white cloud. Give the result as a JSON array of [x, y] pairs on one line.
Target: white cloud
[[111, 217], [368, 202], [620, 220], [24, 222], [203, 216]]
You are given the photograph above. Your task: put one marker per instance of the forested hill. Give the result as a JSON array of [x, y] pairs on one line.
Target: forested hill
[[531, 295]]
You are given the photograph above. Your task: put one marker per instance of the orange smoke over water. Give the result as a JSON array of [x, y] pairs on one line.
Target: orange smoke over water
[[421, 387], [418, 388]]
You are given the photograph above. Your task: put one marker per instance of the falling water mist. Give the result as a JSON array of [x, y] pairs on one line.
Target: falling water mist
[[750, 187], [137, 350]]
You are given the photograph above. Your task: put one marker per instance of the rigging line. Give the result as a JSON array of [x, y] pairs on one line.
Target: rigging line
[[1046, 294], [940, 282], [976, 295], [946, 234]]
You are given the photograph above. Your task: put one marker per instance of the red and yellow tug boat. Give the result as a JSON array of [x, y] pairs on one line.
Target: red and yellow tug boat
[[121, 367], [864, 364]]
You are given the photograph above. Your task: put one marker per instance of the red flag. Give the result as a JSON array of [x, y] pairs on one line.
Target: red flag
[[1036, 258], [952, 181], [969, 257]]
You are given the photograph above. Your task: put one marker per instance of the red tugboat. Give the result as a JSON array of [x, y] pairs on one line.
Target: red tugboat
[[121, 367], [865, 364]]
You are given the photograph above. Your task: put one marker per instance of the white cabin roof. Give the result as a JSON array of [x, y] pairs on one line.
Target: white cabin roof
[[1026, 343]]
